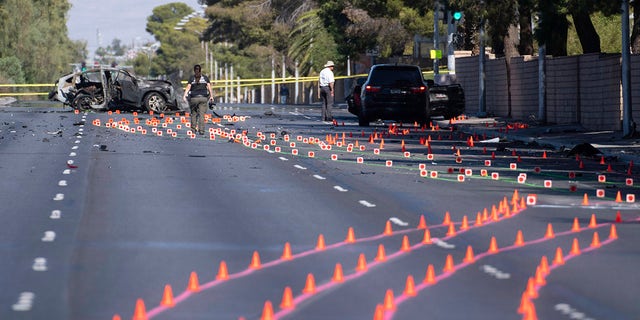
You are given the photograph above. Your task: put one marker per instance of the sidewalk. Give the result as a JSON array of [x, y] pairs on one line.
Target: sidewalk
[[557, 137]]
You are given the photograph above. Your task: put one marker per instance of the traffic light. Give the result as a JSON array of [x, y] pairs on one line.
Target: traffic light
[[457, 15]]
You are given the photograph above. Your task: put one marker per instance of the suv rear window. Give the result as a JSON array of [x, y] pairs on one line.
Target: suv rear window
[[395, 75]]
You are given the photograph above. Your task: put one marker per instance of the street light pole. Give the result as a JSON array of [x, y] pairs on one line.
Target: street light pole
[[628, 125]]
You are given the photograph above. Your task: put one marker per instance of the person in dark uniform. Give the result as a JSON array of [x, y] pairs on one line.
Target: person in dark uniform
[[199, 93]]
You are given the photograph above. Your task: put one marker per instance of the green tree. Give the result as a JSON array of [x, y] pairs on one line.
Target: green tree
[[11, 70], [36, 35]]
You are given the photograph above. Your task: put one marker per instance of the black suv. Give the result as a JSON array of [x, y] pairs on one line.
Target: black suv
[[394, 92]]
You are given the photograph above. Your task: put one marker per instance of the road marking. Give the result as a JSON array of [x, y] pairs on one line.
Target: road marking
[[72, 154], [493, 271], [297, 166], [341, 189], [443, 244], [398, 222], [66, 171], [49, 236], [74, 148], [81, 129], [571, 312], [283, 158], [62, 183], [59, 197], [77, 141], [319, 177], [55, 214], [366, 203], [69, 161], [40, 264], [25, 301]]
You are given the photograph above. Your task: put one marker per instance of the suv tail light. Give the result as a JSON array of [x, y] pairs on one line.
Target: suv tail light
[[420, 89], [372, 89]]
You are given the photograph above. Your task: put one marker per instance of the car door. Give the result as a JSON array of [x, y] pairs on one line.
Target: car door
[[128, 91]]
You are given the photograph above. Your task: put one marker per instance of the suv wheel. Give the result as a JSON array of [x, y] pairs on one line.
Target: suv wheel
[[155, 102], [362, 121]]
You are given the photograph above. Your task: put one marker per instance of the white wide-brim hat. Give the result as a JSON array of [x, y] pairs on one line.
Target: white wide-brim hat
[[329, 64]]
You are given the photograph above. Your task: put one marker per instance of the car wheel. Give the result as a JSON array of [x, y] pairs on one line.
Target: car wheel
[[155, 102], [81, 102]]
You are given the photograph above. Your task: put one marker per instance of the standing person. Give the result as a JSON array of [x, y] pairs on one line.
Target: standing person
[[199, 92], [327, 91], [284, 93]]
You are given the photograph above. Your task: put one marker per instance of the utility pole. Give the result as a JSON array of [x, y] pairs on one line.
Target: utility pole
[[436, 36], [628, 125], [482, 108]]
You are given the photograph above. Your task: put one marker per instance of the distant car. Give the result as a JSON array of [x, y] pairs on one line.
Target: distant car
[[394, 92], [446, 100], [353, 99], [106, 88]]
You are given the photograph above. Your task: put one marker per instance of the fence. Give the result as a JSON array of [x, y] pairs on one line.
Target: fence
[[583, 89]]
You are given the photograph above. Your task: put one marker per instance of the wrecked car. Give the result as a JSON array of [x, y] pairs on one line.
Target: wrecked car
[[110, 88]]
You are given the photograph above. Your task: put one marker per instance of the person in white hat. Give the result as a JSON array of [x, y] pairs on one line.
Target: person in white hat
[[327, 91]]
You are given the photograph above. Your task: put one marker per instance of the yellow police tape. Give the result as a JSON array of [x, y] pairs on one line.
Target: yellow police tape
[[217, 84]]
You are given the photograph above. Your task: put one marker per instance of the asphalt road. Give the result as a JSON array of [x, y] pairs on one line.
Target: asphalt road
[[98, 220]]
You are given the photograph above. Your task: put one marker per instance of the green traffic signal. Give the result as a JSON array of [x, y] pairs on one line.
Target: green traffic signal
[[457, 15]]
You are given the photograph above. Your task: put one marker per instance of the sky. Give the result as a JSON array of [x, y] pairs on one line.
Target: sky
[[122, 19]]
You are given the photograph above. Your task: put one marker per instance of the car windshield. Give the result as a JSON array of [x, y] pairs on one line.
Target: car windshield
[[389, 76]]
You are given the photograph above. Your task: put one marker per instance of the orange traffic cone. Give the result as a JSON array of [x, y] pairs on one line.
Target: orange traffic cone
[[140, 313], [585, 200], [387, 229], [447, 218], [576, 225], [595, 243], [193, 285], [519, 239], [469, 258], [379, 313], [430, 277], [448, 264], [338, 275], [410, 287], [549, 233], [613, 233], [381, 256], [320, 246], [286, 252], [223, 273], [544, 265], [310, 285], [255, 261], [422, 224], [559, 259], [362, 263], [426, 239], [452, 230], [267, 311], [167, 297], [351, 238], [389, 303], [406, 247], [592, 222], [465, 223], [618, 197], [493, 246], [575, 247], [287, 299], [531, 289]]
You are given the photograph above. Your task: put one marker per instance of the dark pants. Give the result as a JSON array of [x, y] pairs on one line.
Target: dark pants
[[198, 106], [327, 104]]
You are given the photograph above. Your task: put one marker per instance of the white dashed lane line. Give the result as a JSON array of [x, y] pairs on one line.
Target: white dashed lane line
[[55, 214], [366, 203], [297, 166], [341, 189], [399, 222], [319, 177]]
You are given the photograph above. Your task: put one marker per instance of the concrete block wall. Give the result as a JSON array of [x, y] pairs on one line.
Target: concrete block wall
[[582, 89], [600, 92], [524, 87]]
